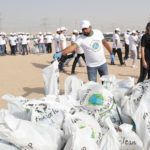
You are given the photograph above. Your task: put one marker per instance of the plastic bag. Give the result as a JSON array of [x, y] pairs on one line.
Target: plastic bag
[[50, 76], [26, 134], [72, 85], [129, 139]]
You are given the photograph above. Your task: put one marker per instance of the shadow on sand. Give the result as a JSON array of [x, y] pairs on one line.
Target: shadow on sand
[[41, 66], [29, 91]]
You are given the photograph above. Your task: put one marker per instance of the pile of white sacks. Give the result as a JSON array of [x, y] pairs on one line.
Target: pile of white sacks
[[114, 115]]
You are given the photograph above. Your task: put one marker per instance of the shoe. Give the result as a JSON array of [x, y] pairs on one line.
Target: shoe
[[63, 70], [73, 73], [66, 65], [112, 63], [81, 65], [133, 66], [125, 62], [122, 64]]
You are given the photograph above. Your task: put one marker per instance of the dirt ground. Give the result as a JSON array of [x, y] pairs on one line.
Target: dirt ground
[[22, 75]]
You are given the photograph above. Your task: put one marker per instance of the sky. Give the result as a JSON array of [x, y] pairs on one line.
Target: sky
[[47, 15]]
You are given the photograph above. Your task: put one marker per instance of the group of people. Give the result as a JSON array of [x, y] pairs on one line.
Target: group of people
[[87, 43], [92, 42], [22, 43]]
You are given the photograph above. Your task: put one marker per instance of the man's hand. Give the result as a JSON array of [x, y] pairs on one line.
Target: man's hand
[[145, 64]]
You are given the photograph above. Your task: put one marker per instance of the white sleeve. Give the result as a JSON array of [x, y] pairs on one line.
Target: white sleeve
[[78, 41]]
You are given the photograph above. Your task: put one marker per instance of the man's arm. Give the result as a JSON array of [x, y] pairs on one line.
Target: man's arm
[[69, 49], [107, 46], [143, 57]]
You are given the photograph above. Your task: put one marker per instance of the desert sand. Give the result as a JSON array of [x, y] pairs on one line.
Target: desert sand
[[22, 75]]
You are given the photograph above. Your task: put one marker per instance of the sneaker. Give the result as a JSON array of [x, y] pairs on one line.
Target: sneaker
[[81, 65], [112, 63], [125, 62], [133, 66]]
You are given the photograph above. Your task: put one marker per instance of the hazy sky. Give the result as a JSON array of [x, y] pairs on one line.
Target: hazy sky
[[47, 15]]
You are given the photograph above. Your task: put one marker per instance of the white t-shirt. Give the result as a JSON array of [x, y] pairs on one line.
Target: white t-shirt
[[24, 39], [116, 37], [73, 38], [1, 40], [93, 48], [12, 40], [57, 42], [126, 38], [133, 42], [63, 42], [49, 38], [41, 38]]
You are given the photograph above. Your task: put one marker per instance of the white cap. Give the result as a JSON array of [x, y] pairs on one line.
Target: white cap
[[48, 33], [134, 32], [75, 31], [58, 29], [63, 29], [117, 29], [85, 24], [40, 33]]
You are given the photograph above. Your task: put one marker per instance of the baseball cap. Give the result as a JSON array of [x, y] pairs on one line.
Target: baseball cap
[[75, 31], [85, 24], [63, 29], [58, 29], [117, 29], [134, 32]]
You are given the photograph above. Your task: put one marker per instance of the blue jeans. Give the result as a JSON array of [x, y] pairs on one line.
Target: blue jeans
[[42, 48], [92, 72], [1, 49]]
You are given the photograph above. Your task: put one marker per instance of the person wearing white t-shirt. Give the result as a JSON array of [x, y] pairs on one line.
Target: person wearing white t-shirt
[[28, 42], [92, 42], [116, 48], [80, 53], [24, 44], [74, 36], [1, 45], [49, 39], [126, 40], [57, 41], [133, 40], [41, 43], [13, 43]]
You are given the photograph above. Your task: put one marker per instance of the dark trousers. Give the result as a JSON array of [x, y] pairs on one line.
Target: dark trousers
[[126, 52], [49, 47], [13, 49], [76, 60], [5, 50], [24, 49], [63, 59], [119, 53], [143, 72]]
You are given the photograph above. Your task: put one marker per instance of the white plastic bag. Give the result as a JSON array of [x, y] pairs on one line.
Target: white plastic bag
[[110, 139], [72, 85], [7, 146], [15, 106], [26, 134], [84, 123], [129, 139], [50, 76], [81, 141], [136, 105]]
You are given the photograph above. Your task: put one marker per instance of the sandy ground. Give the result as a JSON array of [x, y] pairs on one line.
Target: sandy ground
[[22, 75]]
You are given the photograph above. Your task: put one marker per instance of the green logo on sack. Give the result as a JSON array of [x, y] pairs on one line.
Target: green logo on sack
[[96, 99]]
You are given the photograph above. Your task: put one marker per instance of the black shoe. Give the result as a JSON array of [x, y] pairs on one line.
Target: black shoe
[[112, 63]]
